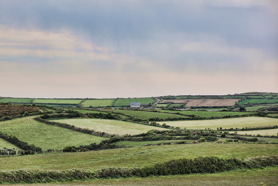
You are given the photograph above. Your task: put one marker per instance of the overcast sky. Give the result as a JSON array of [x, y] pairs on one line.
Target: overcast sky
[[137, 48]]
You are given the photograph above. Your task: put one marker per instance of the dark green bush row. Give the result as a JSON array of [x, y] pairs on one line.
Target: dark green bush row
[[21, 144], [249, 128], [106, 144], [72, 127], [245, 139], [180, 166]]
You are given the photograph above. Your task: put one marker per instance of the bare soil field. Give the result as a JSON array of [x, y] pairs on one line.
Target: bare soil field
[[204, 102], [9, 110]]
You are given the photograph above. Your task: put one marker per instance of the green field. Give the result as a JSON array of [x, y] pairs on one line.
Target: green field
[[268, 132], [255, 108], [145, 115], [57, 101], [207, 114], [4, 143], [135, 157], [15, 100], [161, 105], [258, 101], [224, 123], [126, 102], [110, 126], [243, 177], [140, 143], [45, 136], [98, 103], [175, 105]]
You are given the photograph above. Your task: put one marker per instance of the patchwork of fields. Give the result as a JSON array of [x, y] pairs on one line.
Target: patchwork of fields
[[16, 100], [45, 136], [224, 123], [109, 126], [126, 102], [204, 102], [98, 103]]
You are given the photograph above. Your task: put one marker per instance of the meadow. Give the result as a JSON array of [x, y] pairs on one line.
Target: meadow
[[207, 114], [141, 143], [6, 144], [266, 132], [224, 123], [126, 102], [56, 101], [109, 126], [98, 103], [258, 101], [135, 156], [45, 136], [16, 100]]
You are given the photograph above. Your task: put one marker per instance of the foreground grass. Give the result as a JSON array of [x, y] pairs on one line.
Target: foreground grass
[[98, 103], [45, 136], [134, 157], [109, 126], [244, 177], [4, 143], [224, 123]]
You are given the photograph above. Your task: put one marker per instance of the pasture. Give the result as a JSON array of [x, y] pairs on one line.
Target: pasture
[[109, 126], [45, 136], [224, 123], [57, 101], [126, 102], [145, 115], [135, 156], [258, 101], [98, 103], [16, 100], [267, 132], [4, 143]]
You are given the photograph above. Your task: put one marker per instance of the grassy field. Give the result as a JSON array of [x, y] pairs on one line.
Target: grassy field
[[175, 105], [255, 108], [224, 123], [147, 115], [98, 103], [109, 126], [259, 101], [57, 101], [45, 136], [161, 105], [244, 177], [269, 132], [4, 143], [207, 114], [140, 143], [135, 156], [126, 102], [15, 100]]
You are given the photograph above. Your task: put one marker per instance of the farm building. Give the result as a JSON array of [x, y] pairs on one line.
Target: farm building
[[135, 104]]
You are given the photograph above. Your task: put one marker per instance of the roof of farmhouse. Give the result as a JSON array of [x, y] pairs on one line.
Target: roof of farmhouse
[[135, 103]]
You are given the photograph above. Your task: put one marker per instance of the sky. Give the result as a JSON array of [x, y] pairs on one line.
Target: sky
[[137, 48]]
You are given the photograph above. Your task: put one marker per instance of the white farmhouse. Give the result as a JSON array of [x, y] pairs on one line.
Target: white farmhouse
[[135, 104]]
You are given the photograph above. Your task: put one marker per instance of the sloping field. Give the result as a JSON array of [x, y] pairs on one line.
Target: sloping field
[[109, 126], [98, 103], [46, 136], [269, 132], [16, 100], [207, 114], [57, 101], [224, 123], [126, 102], [4, 143], [258, 101], [204, 102], [135, 157], [144, 115], [9, 110]]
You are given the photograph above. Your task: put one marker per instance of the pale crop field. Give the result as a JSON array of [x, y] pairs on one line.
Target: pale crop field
[[109, 126], [224, 123], [270, 132], [46, 136]]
